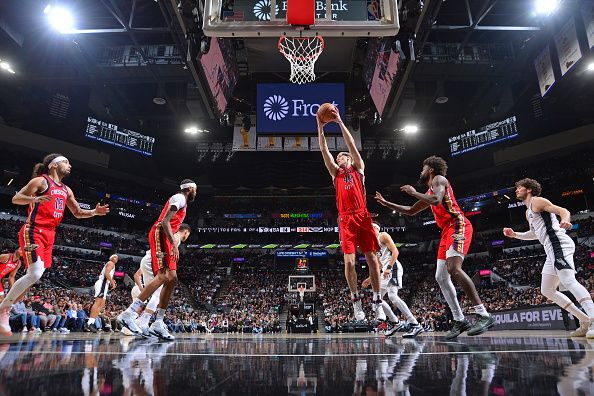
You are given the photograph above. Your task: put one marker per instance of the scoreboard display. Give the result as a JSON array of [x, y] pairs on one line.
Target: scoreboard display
[[489, 134], [115, 135]]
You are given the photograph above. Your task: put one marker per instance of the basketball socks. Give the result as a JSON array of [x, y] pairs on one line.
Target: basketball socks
[[135, 306], [481, 310], [376, 297], [160, 314], [354, 296], [90, 321], [389, 313]]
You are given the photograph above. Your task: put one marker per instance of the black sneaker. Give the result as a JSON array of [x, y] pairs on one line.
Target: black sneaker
[[482, 324], [458, 328], [414, 331], [90, 328]]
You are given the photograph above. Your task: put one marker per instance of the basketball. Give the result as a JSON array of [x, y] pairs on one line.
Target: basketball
[[325, 112]]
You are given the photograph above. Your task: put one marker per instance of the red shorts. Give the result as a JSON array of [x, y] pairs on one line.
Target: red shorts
[[29, 235], [456, 235], [357, 230], [160, 250]]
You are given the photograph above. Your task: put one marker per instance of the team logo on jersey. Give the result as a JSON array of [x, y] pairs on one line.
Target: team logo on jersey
[[276, 107], [458, 237]]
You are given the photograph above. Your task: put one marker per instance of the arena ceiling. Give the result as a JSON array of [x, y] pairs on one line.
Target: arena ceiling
[[477, 54]]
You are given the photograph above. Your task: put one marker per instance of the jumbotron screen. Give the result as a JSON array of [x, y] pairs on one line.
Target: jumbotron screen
[[484, 136], [115, 135]]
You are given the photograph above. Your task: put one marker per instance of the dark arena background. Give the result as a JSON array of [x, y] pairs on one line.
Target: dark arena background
[[148, 102]]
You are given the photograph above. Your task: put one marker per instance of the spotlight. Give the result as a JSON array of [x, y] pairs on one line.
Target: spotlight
[[6, 66], [59, 18], [546, 7], [191, 130], [411, 129], [590, 67]]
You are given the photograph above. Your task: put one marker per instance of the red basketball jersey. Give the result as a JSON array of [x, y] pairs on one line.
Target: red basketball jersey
[[350, 191], [179, 201], [448, 211], [49, 214], [9, 266]]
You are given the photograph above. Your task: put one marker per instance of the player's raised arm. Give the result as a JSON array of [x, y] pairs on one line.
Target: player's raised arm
[[540, 204], [350, 142], [27, 194], [328, 159], [80, 213], [407, 210]]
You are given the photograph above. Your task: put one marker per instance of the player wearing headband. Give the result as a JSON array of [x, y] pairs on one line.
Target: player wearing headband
[[102, 287], [164, 257], [47, 198]]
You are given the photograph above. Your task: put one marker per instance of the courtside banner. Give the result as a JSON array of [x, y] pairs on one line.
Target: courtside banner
[[543, 317], [289, 109]]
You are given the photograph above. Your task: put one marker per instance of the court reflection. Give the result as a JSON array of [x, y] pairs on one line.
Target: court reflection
[[364, 365]]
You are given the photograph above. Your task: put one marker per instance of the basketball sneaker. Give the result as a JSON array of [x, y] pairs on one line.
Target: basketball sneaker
[[458, 328], [415, 330], [359, 314], [380, 315], [159, 329], [590, 333], [392, 329], [126, 319], [144, 328], [482, 324], [4, 325], [580, 331]]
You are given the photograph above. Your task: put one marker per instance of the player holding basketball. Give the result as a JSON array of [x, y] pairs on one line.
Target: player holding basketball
[[390, 283], [102, 287], [559, 247], [145, 275], [356, 228], [164, 257], [456, 234], [47, 198], [9, 265]]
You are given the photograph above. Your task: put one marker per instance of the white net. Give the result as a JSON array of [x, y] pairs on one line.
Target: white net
[[302, 53]]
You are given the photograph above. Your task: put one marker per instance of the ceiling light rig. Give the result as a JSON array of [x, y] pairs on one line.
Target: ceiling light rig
[[59, 18], [6, 67]]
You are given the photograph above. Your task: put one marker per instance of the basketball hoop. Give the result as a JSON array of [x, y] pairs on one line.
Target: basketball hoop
[[301, 290], [302, 53]]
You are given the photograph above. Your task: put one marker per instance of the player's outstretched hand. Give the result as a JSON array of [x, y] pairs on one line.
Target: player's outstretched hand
[[101, 210], [336, 113], [380, 199], [410, 190], [320, 123], [43, 198], [508, 232]]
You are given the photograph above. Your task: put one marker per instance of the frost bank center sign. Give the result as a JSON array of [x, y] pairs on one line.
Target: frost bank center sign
[[290, 108]]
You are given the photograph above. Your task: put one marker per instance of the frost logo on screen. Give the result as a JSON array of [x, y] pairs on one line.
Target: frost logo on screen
[[262, 10], [276, 107]]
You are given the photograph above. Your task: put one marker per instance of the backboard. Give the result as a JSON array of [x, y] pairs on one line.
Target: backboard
[[296, 280], [334, 18]]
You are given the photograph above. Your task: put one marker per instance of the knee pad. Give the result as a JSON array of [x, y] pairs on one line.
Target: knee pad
[[441, 273], [393, 295]]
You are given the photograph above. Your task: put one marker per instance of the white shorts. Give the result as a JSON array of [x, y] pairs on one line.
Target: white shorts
[[451, 252], [552, 265], [102, 288]]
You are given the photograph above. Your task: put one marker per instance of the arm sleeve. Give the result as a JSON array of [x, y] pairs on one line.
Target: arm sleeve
[[526, 236]]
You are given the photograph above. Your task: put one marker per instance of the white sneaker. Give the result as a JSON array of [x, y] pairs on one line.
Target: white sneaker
[[37, 331], [590, 333], [126, 319], [64, 330], [580, 331], [380, 315], [4, 325], [145, 331], [159, 329], [127, 332], [25, 330], [359, 314]]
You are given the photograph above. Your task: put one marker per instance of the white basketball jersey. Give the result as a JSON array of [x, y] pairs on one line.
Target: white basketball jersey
[[102, 275], [545, 225]]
